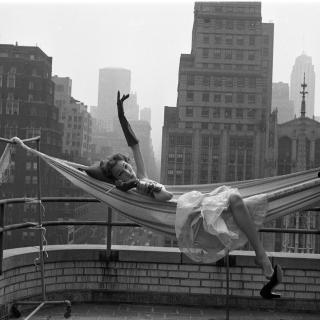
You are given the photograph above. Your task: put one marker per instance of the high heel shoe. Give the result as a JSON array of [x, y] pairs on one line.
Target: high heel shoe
[[266, 291]]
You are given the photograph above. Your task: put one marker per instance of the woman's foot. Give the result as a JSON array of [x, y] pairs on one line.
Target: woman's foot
[[266, 291], [266, 266]]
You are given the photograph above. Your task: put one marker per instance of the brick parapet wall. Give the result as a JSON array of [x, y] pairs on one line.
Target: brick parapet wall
[[162, 275]]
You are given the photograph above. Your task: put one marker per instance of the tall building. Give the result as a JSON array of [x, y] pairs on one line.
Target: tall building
[[76, 120], [145, 114], [303, 65], [298, 150], [281, 102], [27, 110], [110, 81], [218, 132]]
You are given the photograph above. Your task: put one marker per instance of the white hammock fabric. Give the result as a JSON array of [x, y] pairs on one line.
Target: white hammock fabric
[[285, 194]]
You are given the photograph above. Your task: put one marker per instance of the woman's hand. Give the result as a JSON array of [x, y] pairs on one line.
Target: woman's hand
[[120, 103]]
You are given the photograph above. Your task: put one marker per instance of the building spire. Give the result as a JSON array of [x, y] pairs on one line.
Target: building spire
[[303, 92]]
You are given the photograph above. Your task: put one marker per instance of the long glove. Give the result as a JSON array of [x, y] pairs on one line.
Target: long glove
[[126, 128], [125, 186]]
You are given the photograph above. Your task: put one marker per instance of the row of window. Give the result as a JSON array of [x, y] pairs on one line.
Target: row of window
[[228, 98], [229, 66], [229, 82], [33, 72], [221, 126], [230, 24], [229, 54], [229, 39]]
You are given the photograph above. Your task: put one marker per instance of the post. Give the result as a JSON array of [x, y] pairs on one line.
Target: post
[[2, 234], [40, 224], [227, 280], [109, 232]]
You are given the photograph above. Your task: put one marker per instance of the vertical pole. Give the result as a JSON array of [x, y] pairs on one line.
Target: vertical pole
[[109, 232], [227, 280], [1, 234], [40, 225]]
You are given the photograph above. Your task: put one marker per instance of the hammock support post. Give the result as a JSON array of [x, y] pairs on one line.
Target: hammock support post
[[227, 285], [109, 232], [14, 310]]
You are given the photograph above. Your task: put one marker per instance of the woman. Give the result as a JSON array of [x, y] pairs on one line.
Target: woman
[[218, 220]]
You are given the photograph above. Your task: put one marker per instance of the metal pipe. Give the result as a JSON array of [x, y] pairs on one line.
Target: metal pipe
[[2, 212]]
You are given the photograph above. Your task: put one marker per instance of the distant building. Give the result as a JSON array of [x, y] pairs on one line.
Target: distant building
[[281, 102], [219, 129], [298, 150], [145, 114], [77, 121], [110, 81], [27, 110], [303, 65]]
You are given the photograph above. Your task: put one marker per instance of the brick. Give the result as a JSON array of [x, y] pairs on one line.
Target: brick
[[304, 280], [252, 285], [200, 290], [158, 288], [252, 270], [190, 283], [65, 264], [147, 280], [259, 278], [146, 266], [199, 275], [55, 272], [297, 273], [168, 267], [236, 284], [242, 277], [69, 271], [305, 295], [311, 273], [288, 279], [242, 292], [32, 276], [189, 267], [179, 289], [170, 281], [211, 283], [157, 273], [312, 288], [64, 279], [210, 269], [92, 271], [295, 287], [218, 276], [178, 274]]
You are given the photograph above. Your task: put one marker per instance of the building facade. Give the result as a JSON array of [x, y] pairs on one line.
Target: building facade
[[27, 110], [219, 129], [110, 81], [76, 121], [281, 102], [303, 66]]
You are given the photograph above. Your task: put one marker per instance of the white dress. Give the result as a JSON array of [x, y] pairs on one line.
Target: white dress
[[205, 227]]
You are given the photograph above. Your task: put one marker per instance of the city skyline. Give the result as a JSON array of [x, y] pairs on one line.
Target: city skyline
[[83, 38]]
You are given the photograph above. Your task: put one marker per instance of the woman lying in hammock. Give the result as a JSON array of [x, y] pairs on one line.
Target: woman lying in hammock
[[209, 233]]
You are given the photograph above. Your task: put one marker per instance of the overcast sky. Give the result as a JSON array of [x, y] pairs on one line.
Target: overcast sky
[[145, 37]]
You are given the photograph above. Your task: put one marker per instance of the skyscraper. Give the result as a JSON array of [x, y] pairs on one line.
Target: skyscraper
[[110, 81], [219, 130], [281, 102], [303, 65]]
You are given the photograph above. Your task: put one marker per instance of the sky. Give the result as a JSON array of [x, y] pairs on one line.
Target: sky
[[146, 37]]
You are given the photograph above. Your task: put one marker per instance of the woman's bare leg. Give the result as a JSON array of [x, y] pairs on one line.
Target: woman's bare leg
[[243, 220]]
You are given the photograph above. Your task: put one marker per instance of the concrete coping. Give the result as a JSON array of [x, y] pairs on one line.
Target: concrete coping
[[19, 257]]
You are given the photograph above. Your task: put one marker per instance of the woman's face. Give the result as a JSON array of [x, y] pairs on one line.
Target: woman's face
[[123, 171]]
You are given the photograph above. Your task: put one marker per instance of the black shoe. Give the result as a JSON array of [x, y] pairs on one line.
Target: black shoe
[[266, 291]]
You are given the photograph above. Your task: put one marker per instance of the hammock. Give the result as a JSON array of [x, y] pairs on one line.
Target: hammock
[[286, 194]]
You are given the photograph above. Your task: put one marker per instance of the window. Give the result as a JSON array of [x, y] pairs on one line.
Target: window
[[205, 141], [228, 54], [27, 179], [216, 112], [205, 53], [239, 55], [217, 53], [217, 82], [266, 39], [252, 40], [229, 82], [217, 39], [189, 112], [30, 97], [251, 114], [189, 125], [252, 82], [239, 127], [250, 127], [216, 66], [218, 24], [228, 98], [205, 112], [206, 20], [229, 41], [205, 97], [206, 81], [190, 80], [11, 78], [251, 98], [240, 82], [217, 98], [240, 98], [31, 85], [252, 25], [189, 96], [204, 125], [240, 41], [205, 38], [228, 113], [229, 24], [251, 55], [240, 24]]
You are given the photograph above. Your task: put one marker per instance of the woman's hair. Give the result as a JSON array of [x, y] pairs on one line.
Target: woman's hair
[[107, 165]]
